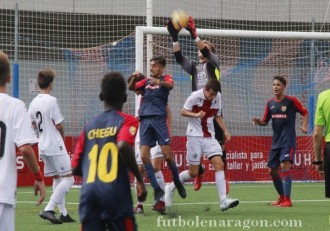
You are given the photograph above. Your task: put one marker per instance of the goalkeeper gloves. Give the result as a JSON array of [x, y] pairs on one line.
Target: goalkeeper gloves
[[173, 32], [191, 28]]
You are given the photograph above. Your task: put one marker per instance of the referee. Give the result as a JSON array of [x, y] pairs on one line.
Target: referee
[[322, 120]]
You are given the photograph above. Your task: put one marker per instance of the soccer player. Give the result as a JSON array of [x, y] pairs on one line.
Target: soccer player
[[153, 126], [322, 122], [155, 154], [15, 132], [201, 108], [282, 109], [103, 155], [200, 72], [47, 121]]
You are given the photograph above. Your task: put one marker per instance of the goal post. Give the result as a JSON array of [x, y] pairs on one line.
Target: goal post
[[248, 62]]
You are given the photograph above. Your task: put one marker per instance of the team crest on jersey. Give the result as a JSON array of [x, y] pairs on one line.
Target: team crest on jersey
[[132, 130], [195, 155], [283, 108]]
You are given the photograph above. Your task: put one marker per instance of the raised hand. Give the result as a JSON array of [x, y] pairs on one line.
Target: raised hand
[[191, 28], [173, 32]]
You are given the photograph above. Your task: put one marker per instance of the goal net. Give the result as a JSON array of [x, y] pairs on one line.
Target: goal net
[[248, 62], [82, 40]]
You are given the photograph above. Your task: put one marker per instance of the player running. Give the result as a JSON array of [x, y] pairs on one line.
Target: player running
[[201, 108], [282, 111]]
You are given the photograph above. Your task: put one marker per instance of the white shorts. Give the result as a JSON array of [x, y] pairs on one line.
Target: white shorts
[[154, 153], [7, 217], [59, 165], [197, 146]]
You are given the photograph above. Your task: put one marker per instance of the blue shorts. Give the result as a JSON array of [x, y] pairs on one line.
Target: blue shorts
[[279, 155], [127, 223], [152, 129]]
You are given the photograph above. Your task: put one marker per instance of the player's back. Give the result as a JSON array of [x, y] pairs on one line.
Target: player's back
[[106, 186], [15, 130], [45, 112]]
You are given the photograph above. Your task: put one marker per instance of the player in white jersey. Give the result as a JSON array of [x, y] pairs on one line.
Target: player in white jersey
[[47, 120], [15, 132], [201, 108]]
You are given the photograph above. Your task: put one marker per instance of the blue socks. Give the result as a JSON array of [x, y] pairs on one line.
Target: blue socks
[[151, 175]]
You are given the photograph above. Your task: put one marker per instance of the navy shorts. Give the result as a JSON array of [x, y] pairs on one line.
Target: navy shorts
[[124, 224], [278, 155], [154, 129]]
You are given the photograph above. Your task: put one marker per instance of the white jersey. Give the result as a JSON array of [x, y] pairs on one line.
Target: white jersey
[[46, 113], [15, 131], [196, 102]]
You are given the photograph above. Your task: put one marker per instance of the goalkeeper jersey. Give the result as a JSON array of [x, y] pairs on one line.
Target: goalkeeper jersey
[[200, 73], [15, 131], [45, 112]]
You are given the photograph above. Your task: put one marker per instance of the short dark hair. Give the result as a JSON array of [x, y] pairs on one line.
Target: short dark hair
[[281, 78], [113, 88], [4, 68], [159, 60], [213, 84], [45, 77]]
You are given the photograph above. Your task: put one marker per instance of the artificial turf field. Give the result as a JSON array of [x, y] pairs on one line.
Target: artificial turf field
[[200, 210]]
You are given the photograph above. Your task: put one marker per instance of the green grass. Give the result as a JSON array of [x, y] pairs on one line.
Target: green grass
[[310, 211]]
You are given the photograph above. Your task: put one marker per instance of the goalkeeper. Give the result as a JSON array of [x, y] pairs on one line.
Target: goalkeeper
[[200, 72]]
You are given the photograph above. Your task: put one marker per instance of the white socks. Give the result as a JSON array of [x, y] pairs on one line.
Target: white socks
[[184, 177], [160, 180], [60, 189], [221, 185]]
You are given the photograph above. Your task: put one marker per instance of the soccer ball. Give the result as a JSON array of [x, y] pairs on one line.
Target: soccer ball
[[179, 19]]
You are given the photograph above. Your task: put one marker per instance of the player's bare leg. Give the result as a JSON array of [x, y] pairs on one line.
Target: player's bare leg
[[139, 205]]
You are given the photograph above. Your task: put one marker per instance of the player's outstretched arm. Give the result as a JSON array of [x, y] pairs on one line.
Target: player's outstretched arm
[[126, 154], [174, 34], [193, 33], [30, 159]]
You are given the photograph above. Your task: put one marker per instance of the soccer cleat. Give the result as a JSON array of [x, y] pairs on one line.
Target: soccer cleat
[[158, 193], [198, 182], [278, 202], [66, 219], [168, 196], [285, 203], [50, 215], [160, 207], [139, 209], [228, 204], [181, 190], [198, 178]]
